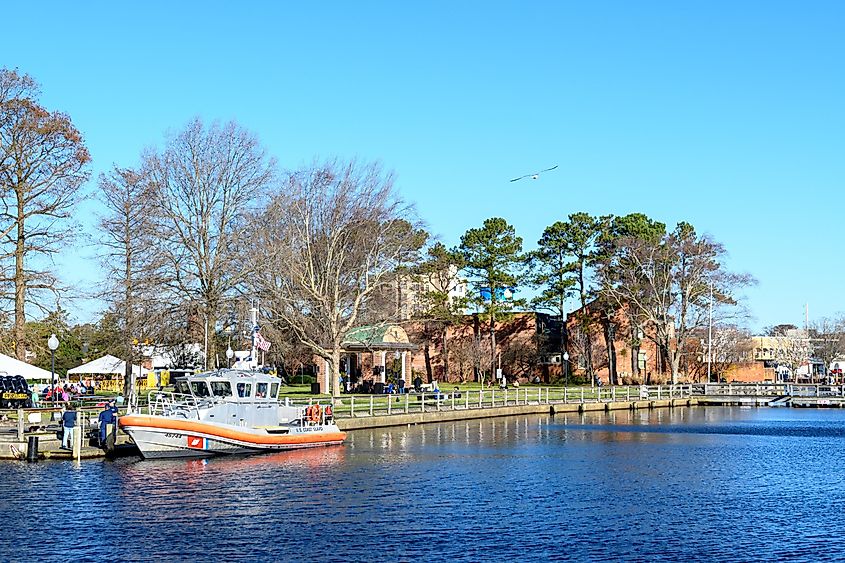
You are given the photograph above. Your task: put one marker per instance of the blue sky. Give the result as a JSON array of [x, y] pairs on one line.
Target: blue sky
[[728, 115]]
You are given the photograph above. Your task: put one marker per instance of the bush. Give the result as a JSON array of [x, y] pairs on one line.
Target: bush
[[301, 380]]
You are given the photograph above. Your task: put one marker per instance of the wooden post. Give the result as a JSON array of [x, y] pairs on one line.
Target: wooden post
[[20, 425], [352, 406], [77, 437], [389, 403], [407, 396], [371, 405], [466, 399]]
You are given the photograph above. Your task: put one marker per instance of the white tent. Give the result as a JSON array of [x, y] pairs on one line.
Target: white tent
[[13, 366], [105, 365]]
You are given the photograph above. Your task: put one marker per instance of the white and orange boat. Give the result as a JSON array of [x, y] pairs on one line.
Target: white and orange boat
[[227, 411]]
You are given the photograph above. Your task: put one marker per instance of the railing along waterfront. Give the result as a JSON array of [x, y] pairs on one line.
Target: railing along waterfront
[[768, 389], [407, 403]]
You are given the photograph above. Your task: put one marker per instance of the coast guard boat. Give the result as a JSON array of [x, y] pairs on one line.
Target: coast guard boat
[[229, 411]]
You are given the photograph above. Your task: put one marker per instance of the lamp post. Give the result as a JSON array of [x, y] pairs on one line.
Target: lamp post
[[52, 344], [230, 354], [566, 368]]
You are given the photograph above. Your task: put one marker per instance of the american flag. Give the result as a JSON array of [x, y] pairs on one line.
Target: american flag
[[260, 342]]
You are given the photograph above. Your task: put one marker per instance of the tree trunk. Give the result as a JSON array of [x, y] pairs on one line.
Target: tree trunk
[[445, 352], [635, 361], [129, 325], [492, 346], [334, 372], [427, 356], [20, 283], [607, 325]]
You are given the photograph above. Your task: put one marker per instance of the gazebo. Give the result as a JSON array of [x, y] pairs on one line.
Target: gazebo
[[364, 354]]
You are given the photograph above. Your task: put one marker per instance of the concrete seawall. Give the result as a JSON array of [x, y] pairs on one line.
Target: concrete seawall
[[381, 421]]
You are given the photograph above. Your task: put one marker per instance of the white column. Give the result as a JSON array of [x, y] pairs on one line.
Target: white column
[[384, 367], [326, 387], [403, 367]]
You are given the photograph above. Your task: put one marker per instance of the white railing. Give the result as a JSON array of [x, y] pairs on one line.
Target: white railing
[[166, 404], [378, 405], [768, 390]]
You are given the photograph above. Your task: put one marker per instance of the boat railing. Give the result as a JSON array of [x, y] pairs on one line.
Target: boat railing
[[166, 403]]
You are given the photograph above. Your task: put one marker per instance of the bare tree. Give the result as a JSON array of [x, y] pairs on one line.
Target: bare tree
[[129, 256], [729, 346], [669, 287], [204, 183], [828, 339], [328, 244], [440, 275], [43, 164]]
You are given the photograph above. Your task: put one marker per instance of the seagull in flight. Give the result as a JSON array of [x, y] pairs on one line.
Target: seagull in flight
[[534, 175]]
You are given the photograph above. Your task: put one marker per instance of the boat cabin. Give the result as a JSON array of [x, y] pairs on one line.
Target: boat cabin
[[231, 386]]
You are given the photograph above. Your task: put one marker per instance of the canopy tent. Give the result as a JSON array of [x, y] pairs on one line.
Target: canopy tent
[[13, 366], [107, 365]]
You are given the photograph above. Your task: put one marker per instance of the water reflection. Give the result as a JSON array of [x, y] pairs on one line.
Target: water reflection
[[715, 484]]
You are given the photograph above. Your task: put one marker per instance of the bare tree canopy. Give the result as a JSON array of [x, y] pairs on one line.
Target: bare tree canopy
[[329, 241], [203, 185], [129, 256], [43, 164], [668, 286]]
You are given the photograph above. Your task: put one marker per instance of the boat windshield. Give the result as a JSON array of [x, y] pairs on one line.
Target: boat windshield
[[200, 389], [274, 391], [221, 388], [182, 388], [261, 390], [244, 389]]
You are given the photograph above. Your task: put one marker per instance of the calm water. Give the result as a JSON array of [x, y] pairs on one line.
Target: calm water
[[708, 484]]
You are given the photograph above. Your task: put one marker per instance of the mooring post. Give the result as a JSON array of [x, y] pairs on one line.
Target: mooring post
[[20, 425], [407, 396], [371, 405], [77, 437]]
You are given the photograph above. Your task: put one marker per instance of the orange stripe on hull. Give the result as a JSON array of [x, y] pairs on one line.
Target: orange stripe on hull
[[162, 423]]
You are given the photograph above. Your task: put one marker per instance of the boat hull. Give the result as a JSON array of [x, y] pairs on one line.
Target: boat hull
[[163, 437]]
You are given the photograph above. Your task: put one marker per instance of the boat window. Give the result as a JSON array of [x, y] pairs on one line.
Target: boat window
[[200, 389], [274, 391], [261, 390], [181, 387], [244, 389], [221, 388]]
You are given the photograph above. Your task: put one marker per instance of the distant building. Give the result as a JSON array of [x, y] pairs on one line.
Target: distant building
[[413, 290]]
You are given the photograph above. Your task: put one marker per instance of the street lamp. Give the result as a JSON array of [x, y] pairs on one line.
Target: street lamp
[[52, 344], [230, 354], [566, 368]]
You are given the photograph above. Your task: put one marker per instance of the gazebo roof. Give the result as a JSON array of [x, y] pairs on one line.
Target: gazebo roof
[[378, 337]]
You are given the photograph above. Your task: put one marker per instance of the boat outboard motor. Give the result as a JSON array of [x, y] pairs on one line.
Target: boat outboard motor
[[14, 392]]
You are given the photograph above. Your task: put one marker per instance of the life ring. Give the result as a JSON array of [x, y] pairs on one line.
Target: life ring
[[315, 413]]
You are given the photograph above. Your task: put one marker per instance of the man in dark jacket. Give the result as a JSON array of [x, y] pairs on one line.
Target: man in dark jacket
[[68, 424]]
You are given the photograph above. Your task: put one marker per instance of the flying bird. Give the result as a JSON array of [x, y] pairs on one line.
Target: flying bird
[[534, 175]]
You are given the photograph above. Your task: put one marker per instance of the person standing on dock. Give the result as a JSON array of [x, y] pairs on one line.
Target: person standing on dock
[[106, 419], [68, 424]]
